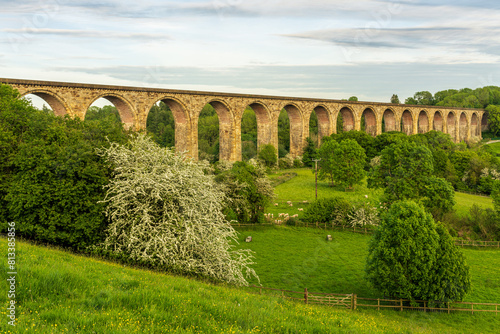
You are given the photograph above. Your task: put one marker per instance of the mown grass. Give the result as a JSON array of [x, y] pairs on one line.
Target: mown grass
[[302, 188], [59, 292], [295, 258]]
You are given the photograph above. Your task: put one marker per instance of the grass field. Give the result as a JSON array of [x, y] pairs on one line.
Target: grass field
[[58, 292], [295, 258], [495, 148], [302, 188]]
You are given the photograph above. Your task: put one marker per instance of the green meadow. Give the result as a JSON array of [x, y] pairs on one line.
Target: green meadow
[[302, 188], [59, 292]]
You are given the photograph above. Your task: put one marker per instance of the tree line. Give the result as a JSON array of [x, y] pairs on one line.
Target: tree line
[[91, 186]]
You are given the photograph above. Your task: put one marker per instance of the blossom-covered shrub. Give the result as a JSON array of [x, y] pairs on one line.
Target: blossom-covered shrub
[[166, 212]]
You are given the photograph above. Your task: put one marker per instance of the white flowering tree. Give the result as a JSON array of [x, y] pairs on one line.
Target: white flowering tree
[[165, 211]]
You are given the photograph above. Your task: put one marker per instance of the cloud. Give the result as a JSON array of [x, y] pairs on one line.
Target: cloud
[[86, 33], [459, 38]]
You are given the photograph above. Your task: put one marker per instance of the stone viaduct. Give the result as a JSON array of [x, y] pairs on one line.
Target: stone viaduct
[[134, 103]]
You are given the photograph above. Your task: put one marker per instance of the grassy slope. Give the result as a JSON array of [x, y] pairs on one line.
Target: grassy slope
[[296, 258], [302, 188], [59, 292], [495, 147]]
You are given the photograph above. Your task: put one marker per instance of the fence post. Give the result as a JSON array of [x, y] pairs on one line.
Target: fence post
[[378, 304], [260, 290], [401, 304], [305, 295], [448, 304], [354, 301], [472, 308]]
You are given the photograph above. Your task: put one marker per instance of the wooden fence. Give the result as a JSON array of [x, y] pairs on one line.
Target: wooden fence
[[477, 243], [353, 302]]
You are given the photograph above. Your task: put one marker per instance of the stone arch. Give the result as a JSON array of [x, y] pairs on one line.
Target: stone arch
[[264, 123], [475, 129], [347, 118], [451, 126], [58, 105], [183, 127], [323, 115], [423, 122], [407, 122], [370, 121], [227, 149], [463, 127], [296, 129], [389, 119], [438, 124], [124, 107]]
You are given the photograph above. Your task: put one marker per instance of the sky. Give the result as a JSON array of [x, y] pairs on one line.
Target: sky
[[304, 48]]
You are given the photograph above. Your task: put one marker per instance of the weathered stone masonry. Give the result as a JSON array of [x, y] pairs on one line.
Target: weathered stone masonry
[[134, 103]]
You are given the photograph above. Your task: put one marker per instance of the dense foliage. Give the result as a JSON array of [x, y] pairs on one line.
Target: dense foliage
[[333, 210], [51, 178], [248, 135], [167, 212], [208, 134], [248, 191], [268, 155], [405, 171], [412, 257], [161, 125]]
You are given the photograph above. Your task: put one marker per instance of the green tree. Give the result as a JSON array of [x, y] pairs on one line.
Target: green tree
[[395, 99], [411, 257], [248, 191], [353, 98], [494, 119], [160, 125], [342, 162], [310, 152], [96, 113], [208, 134], [248, 134], [406, 172], [268, 155], [53, 180], [495, 194], [283, 133], [166, 212], [347, 163], [326, 154]]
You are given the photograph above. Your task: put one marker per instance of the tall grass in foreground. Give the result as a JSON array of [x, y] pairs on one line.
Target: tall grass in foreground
[[59, 292]]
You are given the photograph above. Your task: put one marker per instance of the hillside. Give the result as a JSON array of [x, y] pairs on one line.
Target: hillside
[[59, 292]]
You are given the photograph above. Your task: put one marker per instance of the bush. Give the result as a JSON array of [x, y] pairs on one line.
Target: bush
[[286, 162], [248, 191], [52, 179], [412, 257], [268, 155], [363, 215], [166, 211], [328, 210]]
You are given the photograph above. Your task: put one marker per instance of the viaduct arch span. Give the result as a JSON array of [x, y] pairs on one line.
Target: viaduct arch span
[[134, 103]]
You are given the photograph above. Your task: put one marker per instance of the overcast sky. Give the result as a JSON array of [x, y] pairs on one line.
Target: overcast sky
[[306, 48]]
